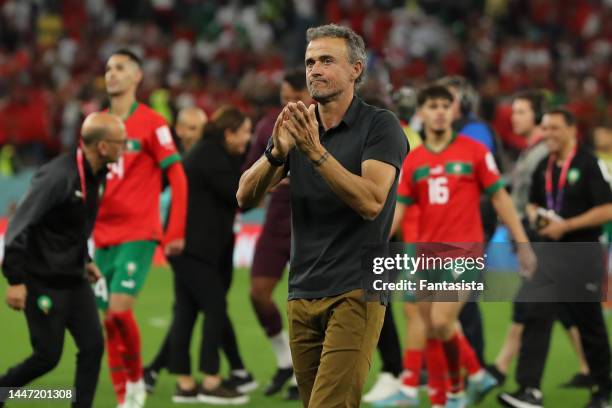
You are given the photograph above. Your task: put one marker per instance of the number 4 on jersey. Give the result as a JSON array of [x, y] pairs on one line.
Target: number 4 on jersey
[[438, 190]]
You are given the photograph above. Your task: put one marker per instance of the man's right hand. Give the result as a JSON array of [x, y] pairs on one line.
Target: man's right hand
[[283, 142], [16, 296]]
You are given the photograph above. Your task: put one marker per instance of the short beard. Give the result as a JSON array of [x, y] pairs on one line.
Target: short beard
[[324, 99]]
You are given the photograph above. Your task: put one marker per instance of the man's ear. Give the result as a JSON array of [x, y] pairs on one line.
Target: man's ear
[[357, 70], [139, 75]]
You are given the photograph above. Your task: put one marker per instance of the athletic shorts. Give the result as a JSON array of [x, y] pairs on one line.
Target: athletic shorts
[[449, 275], [271, 255], [124, 269]]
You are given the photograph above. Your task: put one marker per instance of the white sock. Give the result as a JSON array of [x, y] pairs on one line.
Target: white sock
[[294, 380], [242, 373], [280, 346], [477, 376]]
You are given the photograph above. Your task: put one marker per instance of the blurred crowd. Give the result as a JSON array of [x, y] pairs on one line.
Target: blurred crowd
[[208, 53]]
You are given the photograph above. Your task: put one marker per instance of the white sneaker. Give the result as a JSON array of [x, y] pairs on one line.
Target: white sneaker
[[135, 394], [386, 385]]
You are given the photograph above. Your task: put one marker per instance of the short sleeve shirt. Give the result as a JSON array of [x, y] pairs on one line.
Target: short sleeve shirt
[[328, 235], [446, 186], [129, 210], [586, 187]]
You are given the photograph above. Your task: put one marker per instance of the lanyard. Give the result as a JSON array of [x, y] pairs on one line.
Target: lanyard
[[555, 204], [81, 170]]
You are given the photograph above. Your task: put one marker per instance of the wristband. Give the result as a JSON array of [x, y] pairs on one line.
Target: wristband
[[321, 160], [276, 162]]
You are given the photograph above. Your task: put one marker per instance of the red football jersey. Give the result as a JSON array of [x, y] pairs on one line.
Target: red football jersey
[[446, 186], [129, 210]]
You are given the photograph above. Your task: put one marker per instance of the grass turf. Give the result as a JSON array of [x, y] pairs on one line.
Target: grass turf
[[153, 313]]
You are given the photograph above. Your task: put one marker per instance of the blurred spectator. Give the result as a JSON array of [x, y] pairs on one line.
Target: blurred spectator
[[52, 54]]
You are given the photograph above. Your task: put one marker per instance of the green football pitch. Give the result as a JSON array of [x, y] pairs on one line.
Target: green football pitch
[[153, 312]]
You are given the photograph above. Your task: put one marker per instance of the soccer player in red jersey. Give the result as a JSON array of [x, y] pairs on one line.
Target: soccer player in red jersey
[[445, 177], [128, 227]]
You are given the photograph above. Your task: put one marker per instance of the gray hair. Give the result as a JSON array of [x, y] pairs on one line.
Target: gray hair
[[354, 43]]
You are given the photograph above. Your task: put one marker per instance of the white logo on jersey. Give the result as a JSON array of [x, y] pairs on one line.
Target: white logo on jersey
[[164, 137], [491, 165], [436, 170], [129, 284]]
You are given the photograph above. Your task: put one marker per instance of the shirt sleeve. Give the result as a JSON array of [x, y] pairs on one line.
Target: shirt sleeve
[[487, 172], [536, 190], [597, 183], [386, 141], [46, 190], [405, 188], [259, 143], [162, 145]]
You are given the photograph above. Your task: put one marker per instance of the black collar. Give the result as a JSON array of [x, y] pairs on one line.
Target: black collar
[[350, 116]]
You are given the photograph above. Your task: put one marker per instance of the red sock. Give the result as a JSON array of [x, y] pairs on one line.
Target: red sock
[[468, 357], [131, 338], [453, 360], [115, 350], [436, 372], [413, 361]]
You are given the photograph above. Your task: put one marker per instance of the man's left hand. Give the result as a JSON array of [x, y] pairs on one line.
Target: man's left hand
[[554, 230], [302, 125], [174, 247], [93, 272]]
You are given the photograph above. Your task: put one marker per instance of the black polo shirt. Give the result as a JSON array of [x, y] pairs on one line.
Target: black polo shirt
[[327, 235], [585, 188]]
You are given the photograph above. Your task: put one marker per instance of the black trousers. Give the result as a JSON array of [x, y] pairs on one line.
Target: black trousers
[[588, 318], [471, 323], [389, 345], [49, 312], [200, 287]]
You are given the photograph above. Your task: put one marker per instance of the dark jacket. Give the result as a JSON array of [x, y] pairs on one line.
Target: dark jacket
[[47, 236], [212, 177]]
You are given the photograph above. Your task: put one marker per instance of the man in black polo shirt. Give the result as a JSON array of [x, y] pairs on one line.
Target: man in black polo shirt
[[46, 261], [569, 201], [343, 157]]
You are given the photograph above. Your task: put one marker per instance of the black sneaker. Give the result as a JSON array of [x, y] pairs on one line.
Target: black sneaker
[[278, 381], [579, 381], [182, 396], [221, 396], [598, 402], [494, 371], [523, 398], [150, 379], [293, 393], [241, 384]]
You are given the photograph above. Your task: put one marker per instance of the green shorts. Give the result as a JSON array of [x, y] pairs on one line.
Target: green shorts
[[124, 269]]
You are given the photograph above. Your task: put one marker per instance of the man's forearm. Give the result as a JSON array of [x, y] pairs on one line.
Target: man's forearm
[[594, 217], [359, 193], [507, 213], [256, 181]]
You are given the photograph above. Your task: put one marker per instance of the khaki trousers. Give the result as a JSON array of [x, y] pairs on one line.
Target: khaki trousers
[[332, 341]]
